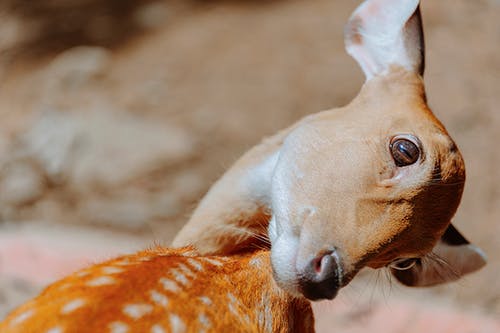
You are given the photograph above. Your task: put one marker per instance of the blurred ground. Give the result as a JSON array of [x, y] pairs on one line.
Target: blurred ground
[[118, 115]]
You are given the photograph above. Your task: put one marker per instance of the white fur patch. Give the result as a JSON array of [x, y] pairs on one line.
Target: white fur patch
[[22, 317], [157, 329], [55, 330], [283, 258], [176, 324], [118, 327], [158, 298], [101, 281], [212, 261], [82, 273], [203, 319], [180, 277], [195, 264], [256, 262], [72, 306], [137, 311], [205, 300], [186, 270], [111, 270], [169, 285]]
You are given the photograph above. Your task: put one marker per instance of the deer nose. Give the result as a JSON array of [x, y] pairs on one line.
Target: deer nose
[[320, 279]]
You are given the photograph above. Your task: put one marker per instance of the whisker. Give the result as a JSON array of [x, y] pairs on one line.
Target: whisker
[[388, 276], [245, 233], [447, 272]]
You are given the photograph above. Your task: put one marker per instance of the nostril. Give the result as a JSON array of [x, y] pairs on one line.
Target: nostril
[[323, 263], [317, 263], [320, 279]]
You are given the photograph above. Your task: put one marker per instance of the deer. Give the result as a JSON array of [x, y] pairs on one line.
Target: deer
[[371, 184]]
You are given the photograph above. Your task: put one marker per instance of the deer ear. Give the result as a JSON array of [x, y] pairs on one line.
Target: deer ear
[[451, 258], [385, 33]]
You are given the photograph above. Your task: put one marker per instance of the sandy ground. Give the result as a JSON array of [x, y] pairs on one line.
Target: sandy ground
[[209, 80]]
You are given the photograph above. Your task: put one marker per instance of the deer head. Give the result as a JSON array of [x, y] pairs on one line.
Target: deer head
[[375, 183]]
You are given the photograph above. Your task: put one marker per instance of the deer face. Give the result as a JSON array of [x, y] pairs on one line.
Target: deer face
[[375, 183]]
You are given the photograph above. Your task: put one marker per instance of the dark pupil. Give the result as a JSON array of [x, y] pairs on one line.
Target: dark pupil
[[404, 152]]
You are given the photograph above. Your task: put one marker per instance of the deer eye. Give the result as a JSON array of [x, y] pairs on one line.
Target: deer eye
[[403, 264], [404, 151]]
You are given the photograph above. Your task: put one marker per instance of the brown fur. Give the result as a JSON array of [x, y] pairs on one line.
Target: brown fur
[[242, 292]]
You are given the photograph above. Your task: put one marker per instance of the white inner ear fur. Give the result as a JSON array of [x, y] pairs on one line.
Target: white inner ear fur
[[375, 36]]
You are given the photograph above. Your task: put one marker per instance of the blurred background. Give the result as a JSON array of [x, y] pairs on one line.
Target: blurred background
[[117, 115]]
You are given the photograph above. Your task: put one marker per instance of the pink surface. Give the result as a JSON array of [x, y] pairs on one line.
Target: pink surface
[[40, 263], [400, 316], [44, 255]]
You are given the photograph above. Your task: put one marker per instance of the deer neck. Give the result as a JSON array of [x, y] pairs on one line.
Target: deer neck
[[241, 198]]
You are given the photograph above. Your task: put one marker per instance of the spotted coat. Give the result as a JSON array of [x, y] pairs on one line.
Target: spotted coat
[[164, 290]]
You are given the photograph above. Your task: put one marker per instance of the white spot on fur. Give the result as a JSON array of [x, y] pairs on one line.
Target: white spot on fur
[[212, 261], [232, 309], [123, 262], [203, 319], [256, 262], [55, 330], [231, 297], [233, 304], [177, 324], [64, 286], [186, 270], [205, 300], [112, 270], [72, 306], [169, 285], [195, 264], [260, 317], [82, 273], [181, 278], [22, 317], [137, 311], [266, 315], [157, 329], [118, 327], [158, 298], [101, 281], [144, 258]]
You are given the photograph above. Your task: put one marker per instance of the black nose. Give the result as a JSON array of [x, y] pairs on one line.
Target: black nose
[[321, 277]]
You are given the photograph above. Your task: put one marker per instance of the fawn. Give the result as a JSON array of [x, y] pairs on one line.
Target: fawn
[[374, 184]]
